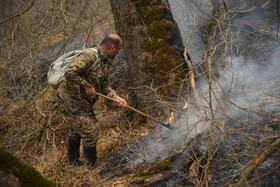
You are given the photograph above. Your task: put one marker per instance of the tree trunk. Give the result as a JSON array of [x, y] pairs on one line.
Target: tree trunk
[[154, 51], [20, 172]]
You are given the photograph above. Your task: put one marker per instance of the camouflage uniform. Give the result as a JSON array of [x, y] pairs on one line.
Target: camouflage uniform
[[72, 99]]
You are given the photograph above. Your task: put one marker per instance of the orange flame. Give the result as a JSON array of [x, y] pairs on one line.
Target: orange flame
[[186, 104], [144, 134], [171, 118]]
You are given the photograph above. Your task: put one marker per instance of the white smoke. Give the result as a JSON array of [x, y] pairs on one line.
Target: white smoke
[[247, 85], [244, 87]]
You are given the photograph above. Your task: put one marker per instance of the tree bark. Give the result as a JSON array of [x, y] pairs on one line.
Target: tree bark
[[154, 51]]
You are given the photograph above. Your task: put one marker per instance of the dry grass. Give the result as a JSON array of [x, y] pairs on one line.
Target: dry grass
[[27, 124], [33, 130]]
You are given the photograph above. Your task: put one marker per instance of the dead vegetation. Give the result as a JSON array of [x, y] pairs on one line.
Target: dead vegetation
[[237, 123], [219, 100]]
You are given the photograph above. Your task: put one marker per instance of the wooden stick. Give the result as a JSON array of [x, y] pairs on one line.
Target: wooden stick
[[167, 125]]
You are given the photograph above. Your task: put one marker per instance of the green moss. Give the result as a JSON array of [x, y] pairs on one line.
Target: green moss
[[189, 140], [129, 138], [163, 62], [161, 165], [153, 46], [158, 30], [164, 58], [149, 10], [211, 26], [142, 175], [27, 175], [151, 2]]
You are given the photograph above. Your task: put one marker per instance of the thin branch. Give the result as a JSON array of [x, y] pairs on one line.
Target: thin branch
[[278, 21], [225, 5], [20, 13]]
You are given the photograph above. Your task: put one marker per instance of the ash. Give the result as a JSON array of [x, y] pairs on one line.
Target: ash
[[240, 124]]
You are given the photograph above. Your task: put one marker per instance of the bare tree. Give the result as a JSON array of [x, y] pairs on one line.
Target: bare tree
[[34, 33]]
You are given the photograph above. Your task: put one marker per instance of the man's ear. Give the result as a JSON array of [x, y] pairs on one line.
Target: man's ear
[[113, 47]]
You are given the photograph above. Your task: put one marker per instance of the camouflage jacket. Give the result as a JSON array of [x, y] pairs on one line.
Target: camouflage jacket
[[85, 70]]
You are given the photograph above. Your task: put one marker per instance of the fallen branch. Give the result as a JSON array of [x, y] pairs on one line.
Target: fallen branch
[[264, 175], [255, 163]]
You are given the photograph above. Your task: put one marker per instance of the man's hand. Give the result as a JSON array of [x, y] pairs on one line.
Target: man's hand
[[90, 91], [121, 102]]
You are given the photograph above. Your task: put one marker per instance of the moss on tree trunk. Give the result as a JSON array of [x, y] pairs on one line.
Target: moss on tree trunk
[[26, 174], [154, 50]]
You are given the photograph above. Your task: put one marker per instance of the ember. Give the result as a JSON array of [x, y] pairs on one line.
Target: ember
[[144, 134], [171, 118], [186, 104]]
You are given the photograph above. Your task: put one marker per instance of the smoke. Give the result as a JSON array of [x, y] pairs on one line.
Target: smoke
[[249, 86], [246, 90], [252, 83]]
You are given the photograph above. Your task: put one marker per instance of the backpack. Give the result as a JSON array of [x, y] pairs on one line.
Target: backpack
[[58, 67]]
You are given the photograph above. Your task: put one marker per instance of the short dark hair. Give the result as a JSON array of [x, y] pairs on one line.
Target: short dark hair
[[108, 41]]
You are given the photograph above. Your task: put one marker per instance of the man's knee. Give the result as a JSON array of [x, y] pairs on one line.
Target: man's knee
[[90, 141], [74, 136]]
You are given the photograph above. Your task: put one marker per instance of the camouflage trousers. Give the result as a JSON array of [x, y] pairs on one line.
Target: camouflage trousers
[[83, 124]]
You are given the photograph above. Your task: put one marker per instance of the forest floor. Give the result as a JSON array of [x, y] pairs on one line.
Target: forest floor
[[36, 133], [43, 144]]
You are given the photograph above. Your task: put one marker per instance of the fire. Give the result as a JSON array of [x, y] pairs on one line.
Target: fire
[[171, 118], [186, 104], [144, 134]]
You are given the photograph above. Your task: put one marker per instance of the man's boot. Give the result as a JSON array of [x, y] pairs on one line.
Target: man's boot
[[90, 155], [73, 152]]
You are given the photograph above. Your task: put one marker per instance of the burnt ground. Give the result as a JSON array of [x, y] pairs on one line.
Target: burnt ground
[[234, 147], [243, 145], [241, 139], [225, 166]]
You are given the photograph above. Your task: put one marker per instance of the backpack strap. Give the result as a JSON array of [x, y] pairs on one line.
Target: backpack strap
[[96, 55]]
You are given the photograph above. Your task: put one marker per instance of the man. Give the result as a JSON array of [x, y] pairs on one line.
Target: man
[[76, 95]]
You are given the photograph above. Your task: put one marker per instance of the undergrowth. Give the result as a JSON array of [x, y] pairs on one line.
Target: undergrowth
[[37, 134]]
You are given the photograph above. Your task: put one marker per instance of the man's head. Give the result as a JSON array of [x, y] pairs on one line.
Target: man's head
[[111, 45]]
